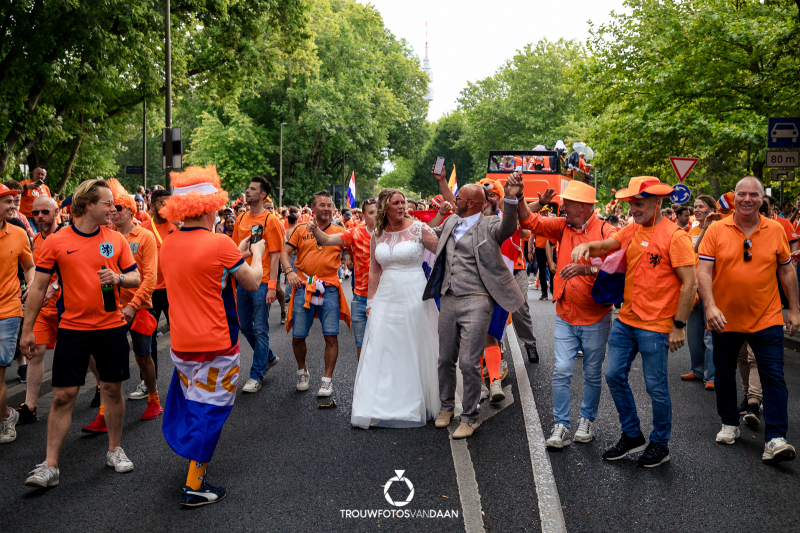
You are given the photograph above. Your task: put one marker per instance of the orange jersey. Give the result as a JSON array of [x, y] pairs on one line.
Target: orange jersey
[[791, 232], [78, 257], [312, 259], [15, 249], [29, 195], [197, 267], [272, 234], [145, 252], [305, 218], [358, 240], [160, 232], [38, 243], [141, 216]]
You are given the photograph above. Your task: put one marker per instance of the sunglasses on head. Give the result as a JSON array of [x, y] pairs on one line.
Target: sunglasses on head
[[371, 201], [748, 256], [36, 212]]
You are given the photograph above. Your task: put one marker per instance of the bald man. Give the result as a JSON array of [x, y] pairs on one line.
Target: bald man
[[44, 211]]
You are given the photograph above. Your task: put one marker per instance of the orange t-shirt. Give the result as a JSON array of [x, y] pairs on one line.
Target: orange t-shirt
[[29, 195], [38, 243], [358, 240], [163, 230], [305, 218], [272, 234], [78, 257], [197, 267], [15, 249], [746, 293], [312, 259], [694, 234], [791, 233], [145, 252], [680, 254]]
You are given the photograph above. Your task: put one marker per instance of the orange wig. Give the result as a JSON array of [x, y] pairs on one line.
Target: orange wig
[[194, 203], [121, 196]]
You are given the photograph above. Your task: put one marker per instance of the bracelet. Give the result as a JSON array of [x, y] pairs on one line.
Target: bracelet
[[272, 284]]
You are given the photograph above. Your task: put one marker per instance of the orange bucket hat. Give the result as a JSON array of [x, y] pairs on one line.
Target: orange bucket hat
[[490, 185], [577, 191], [644, 187]]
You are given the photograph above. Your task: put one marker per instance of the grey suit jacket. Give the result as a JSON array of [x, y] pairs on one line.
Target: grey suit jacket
[[490, 234]]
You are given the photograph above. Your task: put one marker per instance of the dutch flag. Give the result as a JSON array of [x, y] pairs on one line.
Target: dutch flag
[[609, 287], [351, 191]]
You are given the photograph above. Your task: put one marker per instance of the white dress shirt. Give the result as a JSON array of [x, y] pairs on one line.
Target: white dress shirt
[[464, 224]]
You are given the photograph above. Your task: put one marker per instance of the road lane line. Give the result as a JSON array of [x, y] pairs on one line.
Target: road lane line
[[551, 514]]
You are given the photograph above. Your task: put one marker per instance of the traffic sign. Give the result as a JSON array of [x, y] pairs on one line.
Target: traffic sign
[[783, 159], [133, 169], [680, 194], [783, 132], [683, 165], [779, 174]]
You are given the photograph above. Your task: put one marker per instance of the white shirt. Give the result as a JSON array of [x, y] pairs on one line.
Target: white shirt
[[464, 224]]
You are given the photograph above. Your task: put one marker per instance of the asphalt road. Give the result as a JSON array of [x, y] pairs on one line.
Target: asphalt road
[[289, 466]]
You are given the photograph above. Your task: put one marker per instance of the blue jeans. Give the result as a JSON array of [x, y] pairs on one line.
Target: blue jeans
[[767, 346], [328, 312], [701, 344], [623, 345], [9, 334], [358, 318], [254, 318], [568, 340]]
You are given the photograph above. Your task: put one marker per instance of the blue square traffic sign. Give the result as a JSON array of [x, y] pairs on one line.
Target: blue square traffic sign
[[783, 132]]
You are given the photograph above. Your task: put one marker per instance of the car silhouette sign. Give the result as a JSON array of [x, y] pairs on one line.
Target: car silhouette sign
[[783, 132]]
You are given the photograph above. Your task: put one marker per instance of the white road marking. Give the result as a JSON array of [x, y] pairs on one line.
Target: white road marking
[[551, 514]]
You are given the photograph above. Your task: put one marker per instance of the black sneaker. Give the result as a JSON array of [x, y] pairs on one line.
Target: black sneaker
[[96, 399], [751, 418], [206, 495], [26, 416], [625, 446], [533, 354], [743, 406], [654, 455], [22, 373]]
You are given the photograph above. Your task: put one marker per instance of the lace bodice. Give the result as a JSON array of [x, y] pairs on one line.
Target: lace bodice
[[399, 251]]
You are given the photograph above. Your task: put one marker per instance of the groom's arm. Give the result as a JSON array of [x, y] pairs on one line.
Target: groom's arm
[[508, 226]]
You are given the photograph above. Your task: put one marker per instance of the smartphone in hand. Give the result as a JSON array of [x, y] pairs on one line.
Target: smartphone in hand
[[256, 233], [437, 169]]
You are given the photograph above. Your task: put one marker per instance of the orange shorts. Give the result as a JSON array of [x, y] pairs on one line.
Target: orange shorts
[[45, 328]]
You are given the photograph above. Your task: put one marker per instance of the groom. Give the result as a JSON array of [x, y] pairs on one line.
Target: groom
[[469, 276]]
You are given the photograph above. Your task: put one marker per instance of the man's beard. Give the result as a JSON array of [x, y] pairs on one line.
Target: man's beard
[[42, 227]]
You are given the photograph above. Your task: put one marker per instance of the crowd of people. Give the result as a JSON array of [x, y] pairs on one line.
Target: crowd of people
[[434, 286]]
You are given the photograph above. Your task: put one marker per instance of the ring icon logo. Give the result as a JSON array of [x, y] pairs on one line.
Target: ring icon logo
[[399, 477]]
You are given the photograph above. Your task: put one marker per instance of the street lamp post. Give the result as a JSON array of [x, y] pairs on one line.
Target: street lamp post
[[280, 171], [168, 93]]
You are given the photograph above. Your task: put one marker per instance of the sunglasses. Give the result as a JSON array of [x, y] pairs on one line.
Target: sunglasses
[[371, 201], [36, 212], [117, 207], [748, 256]]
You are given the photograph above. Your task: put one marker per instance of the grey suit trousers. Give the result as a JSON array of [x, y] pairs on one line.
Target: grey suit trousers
[[522, 317], [463, 325]]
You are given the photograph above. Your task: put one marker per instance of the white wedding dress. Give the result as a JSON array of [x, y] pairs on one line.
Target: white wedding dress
[[397, 382]]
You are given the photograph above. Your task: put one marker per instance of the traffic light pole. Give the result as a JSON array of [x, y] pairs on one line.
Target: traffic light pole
[[168, 95]]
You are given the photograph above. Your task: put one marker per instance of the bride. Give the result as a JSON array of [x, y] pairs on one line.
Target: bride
[[397, 381]]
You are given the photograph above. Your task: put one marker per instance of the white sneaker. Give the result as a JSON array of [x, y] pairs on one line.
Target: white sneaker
[[484, 391], [140, 393], [728, 434], [503, 369], [252, 385], [559, 437], [325, 388], [585, 432], [119, 460], [496, 393], [8, 430], [303, 378], [43, 476], [778, 450]]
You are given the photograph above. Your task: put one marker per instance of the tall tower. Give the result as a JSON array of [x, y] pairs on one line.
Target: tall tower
[[426, 67]]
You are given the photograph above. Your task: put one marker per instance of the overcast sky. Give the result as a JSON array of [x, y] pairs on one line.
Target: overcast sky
[[469, 39]]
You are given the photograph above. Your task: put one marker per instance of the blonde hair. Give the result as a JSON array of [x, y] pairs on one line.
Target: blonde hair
[[87, 193], [383, 203]]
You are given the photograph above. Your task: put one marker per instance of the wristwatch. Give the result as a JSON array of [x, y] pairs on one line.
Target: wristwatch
[[678, 324], [594, 270], [55, 286], [121, 279]]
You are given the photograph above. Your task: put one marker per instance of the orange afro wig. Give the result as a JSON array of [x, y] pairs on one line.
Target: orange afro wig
[[194, 203], [121, 196]]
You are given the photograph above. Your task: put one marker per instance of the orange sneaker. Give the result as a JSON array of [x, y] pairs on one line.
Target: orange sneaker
[[153, 410], [98, 425], [689, 377], [710, 385]]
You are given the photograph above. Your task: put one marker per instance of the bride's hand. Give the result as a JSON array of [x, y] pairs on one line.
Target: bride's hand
[[367, 313]]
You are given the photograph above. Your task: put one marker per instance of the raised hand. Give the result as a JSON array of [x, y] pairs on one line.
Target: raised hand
[[546, 197], [513, 185]]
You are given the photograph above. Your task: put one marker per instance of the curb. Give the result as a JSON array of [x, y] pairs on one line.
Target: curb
[[16, 394]]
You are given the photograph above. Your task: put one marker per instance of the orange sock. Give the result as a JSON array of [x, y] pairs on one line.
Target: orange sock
[[153, 397], [197, 472], [103, 410], [493, 362]]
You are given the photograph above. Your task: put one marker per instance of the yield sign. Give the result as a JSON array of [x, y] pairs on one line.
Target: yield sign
[[683, 165]]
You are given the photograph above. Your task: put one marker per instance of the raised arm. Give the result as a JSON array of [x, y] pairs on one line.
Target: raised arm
[[439, 218], [323, 239], [443, 188]]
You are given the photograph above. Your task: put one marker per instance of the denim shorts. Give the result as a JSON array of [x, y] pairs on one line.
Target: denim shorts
[[358, 318], [9, 335], [141, 343], [328, 312]]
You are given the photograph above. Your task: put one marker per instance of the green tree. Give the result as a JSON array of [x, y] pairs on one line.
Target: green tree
[[446, 137]]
